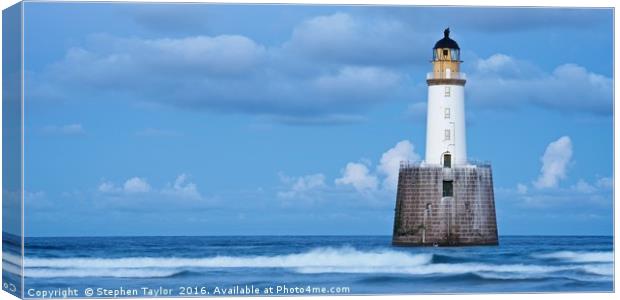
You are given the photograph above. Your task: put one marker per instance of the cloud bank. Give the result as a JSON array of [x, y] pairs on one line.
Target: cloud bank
[[330, 70], [302, 187], [501, 81], [136, 193], [314, 76]]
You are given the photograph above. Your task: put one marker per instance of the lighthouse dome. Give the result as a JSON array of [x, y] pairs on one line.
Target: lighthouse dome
[[446, 42]]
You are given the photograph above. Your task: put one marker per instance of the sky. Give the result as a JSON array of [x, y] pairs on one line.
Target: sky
[[196, 119]]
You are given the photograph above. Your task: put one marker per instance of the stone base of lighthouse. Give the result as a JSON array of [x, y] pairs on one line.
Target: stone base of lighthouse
[[438, 206]]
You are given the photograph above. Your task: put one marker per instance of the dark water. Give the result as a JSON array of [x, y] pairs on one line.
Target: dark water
[[349, 264]]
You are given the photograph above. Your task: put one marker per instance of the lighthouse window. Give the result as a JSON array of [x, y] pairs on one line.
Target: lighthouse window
[[447, 91], [446, 136], [454, 54], [445, 53], [447, 160], [446, 113], [448, 190]]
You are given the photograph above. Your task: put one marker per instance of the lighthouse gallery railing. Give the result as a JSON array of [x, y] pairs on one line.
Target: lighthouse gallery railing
[[411, 164], [446, 75]]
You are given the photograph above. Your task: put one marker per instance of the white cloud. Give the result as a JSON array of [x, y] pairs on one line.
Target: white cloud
[[107, 57], [343, 38], [328, 62], [599, 185], [362, 80], [330, 69], [107, 187], [182, 188], [35, 200], [549, 193], [301, 186], [356, 175], [506, 66], [390, 162], [582, 195], [224, 54], [583, 186], [137, 194], [605, 182], [136, 185], [503, 81], [359, 177], [555, 162], [70, 129], [494, 63]]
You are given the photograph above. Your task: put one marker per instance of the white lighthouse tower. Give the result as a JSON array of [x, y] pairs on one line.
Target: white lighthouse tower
[[445, 126]]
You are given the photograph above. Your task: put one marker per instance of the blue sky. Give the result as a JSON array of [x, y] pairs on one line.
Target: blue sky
[[237, 119]]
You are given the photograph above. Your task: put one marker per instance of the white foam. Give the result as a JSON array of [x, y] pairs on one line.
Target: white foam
[[523, 271], [341, 257], [11, 268], [579, 257], [320, 260], [513, 276], [12, 258], [603, 269], [87, 272]]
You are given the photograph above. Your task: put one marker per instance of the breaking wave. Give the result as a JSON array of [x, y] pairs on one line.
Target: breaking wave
[[341, 257], [12, 258], [516, 271], [319, 260], [102, 272], [578, 257], [11, 263], [603, 270]]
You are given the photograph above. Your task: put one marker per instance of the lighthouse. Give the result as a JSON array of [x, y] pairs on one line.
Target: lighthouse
[[446, 199]]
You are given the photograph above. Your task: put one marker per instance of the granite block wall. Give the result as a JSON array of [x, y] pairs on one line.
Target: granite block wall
[[428, 214]]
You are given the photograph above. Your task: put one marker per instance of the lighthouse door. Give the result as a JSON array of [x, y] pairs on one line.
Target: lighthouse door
[[447, 160]]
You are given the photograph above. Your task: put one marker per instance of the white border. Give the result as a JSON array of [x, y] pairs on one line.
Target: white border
[[509, 3]]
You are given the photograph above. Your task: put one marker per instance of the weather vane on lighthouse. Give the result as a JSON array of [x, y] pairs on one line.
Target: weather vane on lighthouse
[[445, 199]]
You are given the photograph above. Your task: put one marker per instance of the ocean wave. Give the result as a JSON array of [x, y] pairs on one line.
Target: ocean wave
[[333, 257], [11, 263], [518, 271], [12, 258], [102, 272], [11, 268], [337, 257], [319, 260], [529, 277], [444, 259], [578, 257], [604, 269]]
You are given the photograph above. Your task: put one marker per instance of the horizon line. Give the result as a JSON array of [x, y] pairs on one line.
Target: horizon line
[[291, 235]]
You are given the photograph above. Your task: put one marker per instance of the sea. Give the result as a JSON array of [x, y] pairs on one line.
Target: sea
[[306, 265]]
